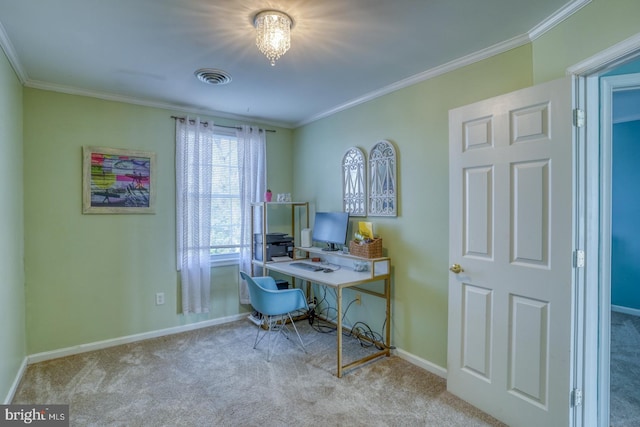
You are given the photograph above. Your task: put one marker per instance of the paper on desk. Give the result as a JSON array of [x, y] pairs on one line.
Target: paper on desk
[[365, 229], [281, 258]]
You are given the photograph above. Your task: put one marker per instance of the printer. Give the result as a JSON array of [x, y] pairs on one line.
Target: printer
[[278, 244]]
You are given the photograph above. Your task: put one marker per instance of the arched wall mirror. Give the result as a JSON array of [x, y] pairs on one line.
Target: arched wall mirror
[[382, 180], [354, 187]]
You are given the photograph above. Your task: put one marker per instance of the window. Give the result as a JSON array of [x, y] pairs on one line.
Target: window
[[218, 175], [220, 171], [225, 198]]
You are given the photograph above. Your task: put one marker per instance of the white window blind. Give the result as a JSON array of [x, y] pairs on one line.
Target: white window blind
[[225, 199]]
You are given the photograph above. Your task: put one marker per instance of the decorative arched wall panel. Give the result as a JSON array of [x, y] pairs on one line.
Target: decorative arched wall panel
[[354, 184], [383, 194]]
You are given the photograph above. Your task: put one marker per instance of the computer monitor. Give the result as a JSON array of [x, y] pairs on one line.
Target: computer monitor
[[331, 228]]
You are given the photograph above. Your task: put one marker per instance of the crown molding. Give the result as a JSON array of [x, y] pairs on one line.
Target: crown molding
[[610, 57], [546, 25], [8, 49], [72, 90], [425, 75], [560, 15]]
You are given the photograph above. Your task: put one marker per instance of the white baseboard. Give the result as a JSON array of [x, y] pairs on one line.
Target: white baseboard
[[16, 382], [411, 358], [626, 310], [422, 363], [98, 345]]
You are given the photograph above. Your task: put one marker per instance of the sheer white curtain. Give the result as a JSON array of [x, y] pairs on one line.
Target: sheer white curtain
[[252, 147], [194, 147]]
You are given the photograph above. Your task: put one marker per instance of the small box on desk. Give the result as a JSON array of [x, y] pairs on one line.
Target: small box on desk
[[372, 249], [282, 284]]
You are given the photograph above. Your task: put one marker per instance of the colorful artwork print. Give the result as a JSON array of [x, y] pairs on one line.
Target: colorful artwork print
[[118, 181]]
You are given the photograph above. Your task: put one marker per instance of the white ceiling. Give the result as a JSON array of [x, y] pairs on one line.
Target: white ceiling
[[343, 51]]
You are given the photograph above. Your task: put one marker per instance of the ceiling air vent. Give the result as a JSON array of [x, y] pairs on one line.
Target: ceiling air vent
[[212, 76]]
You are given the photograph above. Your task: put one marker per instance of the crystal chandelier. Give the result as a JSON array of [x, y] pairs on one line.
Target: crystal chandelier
[[273, 33]]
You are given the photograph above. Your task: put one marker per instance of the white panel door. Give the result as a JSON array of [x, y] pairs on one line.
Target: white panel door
[[510, 323]]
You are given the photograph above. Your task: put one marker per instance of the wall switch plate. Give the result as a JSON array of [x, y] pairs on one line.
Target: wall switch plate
[[160, 298]]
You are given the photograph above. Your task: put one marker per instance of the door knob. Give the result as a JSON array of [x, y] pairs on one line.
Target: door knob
[[456, 268]]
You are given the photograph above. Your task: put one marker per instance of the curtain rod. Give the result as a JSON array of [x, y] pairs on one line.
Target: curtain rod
[[220, 126]]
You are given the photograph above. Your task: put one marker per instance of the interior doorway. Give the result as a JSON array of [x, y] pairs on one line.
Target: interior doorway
[[620, 91], [624, 348], [602, 233]]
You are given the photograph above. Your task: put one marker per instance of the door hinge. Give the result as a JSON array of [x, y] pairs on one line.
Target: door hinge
[[578, 258], [576, 397], [578, 117]]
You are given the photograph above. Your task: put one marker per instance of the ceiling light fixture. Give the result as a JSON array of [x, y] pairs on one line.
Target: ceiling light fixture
[[273, 36]]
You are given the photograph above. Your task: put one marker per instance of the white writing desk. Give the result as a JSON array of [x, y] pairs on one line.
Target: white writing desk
[[379, 269]]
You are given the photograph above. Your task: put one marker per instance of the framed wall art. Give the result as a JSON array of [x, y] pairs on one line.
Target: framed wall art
[[117, 181], [354, 183], [383, 192]]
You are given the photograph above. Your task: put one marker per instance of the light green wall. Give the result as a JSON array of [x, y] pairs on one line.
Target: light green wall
[[12, 293], [594, 28], [415, 119], [94, 277]]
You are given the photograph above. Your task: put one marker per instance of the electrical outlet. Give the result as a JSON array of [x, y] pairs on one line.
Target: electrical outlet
[[160, 298], [358, 299]]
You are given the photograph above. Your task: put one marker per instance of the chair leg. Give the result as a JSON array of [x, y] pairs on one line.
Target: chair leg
[[255, 343], [297, 333], [268, 322], [261, 326], [271, 339], [272, 326]]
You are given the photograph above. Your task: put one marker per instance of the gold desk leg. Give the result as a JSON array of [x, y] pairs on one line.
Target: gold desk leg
[[339, 331], [387, 294]]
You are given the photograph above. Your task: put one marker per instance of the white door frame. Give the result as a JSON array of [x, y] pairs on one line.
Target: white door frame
[[608, 86], [593, 233]]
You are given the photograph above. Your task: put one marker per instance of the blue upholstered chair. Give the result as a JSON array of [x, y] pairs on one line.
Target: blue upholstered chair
[[275, 306]]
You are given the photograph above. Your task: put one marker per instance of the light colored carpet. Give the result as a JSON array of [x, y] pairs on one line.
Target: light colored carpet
[[625, 370], [213, 377]]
